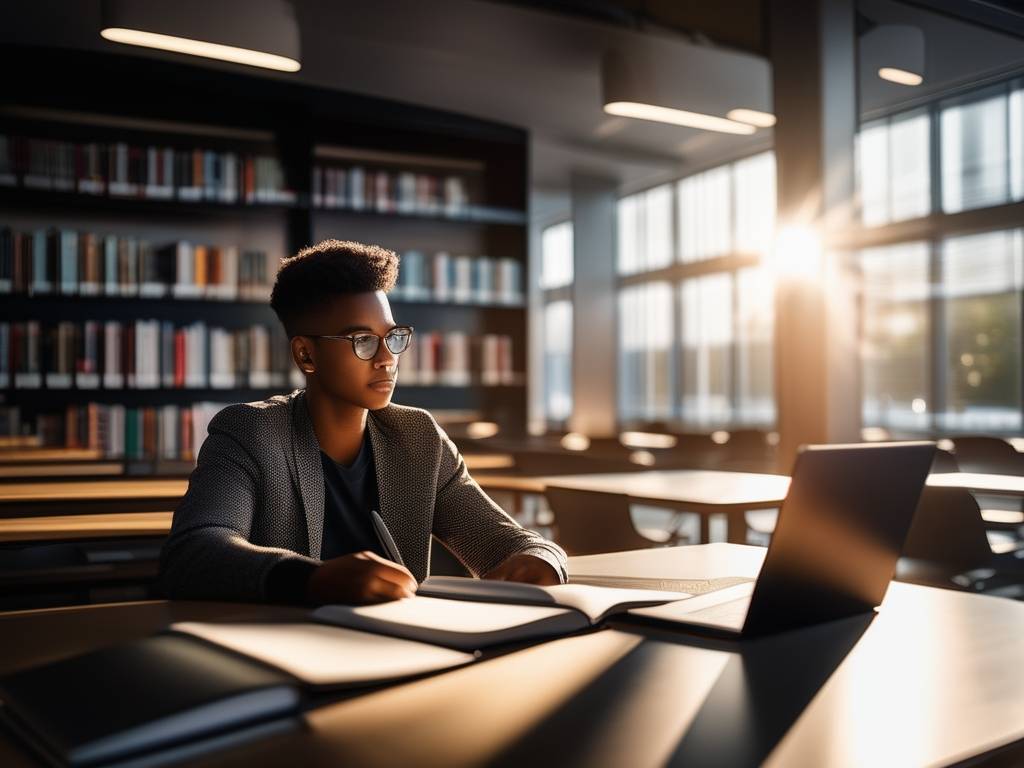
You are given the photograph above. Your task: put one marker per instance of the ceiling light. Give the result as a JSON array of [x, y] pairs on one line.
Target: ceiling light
[[257, 33], [753, 117], [895, 52], [677, 117], [901, 76], [685, 84]]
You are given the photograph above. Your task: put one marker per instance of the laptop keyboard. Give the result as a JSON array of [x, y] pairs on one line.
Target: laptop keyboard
[[691, 586]]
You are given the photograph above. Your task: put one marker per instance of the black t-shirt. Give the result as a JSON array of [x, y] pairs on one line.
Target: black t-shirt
[[349, 495]]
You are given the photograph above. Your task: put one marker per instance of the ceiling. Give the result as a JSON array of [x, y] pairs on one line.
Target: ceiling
[[537, 65]]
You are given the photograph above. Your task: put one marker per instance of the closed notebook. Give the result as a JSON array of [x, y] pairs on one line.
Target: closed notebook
[[469, 614], [324, 657], [130, 699]]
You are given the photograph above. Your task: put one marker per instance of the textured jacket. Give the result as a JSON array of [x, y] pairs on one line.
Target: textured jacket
[[256, 498]]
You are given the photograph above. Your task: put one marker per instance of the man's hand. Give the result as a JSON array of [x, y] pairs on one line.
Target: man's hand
[[526, 568], [360, 578]]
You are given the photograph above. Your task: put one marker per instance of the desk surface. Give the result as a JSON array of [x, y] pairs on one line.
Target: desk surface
[[1011, 485], [936, 677], [693, 489]]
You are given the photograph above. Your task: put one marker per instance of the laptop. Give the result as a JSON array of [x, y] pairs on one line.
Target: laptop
[[835, 546]]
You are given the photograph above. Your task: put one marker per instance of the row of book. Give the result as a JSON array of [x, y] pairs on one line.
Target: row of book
[[459, 279], [119, 169], [457, 359], [166, 432], [154, 354], [64, 261], [405, 192], [143, 354]]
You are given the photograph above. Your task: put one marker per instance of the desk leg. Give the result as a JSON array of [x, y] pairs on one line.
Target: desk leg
[[737, 522], [705, 529]]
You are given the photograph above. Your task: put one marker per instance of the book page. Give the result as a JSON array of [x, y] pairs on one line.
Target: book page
[[593, 601], [328, 656]]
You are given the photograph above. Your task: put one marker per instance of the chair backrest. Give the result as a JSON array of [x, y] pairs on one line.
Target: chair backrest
[[987, 454], [948, 531], [589, 522], [944, 462]]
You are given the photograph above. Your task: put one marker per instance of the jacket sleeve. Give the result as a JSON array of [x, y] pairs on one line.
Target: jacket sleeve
[[208, 554], [476, 529]]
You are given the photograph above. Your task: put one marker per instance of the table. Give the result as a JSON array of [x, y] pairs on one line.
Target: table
[[78, 527], [704, 492], [1008, 485], [936, 677]]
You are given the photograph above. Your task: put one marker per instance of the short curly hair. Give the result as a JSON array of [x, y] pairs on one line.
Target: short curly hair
[[307, 281]]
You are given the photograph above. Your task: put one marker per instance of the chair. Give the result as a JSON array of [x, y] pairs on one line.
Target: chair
[[991, 455], [947, 547], [593, 522]]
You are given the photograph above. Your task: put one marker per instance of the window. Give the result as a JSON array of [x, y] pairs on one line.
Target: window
[[893, 160], [944, 357], [556, 281], [981, 284], [556, 262], [975, 154], [712, 365], [646, 341], [895, 337], [645, 230]]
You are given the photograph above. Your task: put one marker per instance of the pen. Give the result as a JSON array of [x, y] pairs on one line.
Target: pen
[[385, 537]]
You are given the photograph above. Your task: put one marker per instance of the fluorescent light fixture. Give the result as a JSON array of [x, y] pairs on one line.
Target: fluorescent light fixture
[[677, 117], [895, 52], [256, 33], [901, 76], [752, 117], [685, 84], [200, 48]]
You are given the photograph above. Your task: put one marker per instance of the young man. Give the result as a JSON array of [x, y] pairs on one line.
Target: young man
[[281, 504]]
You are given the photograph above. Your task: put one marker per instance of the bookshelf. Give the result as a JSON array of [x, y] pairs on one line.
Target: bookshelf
[[145, 204]]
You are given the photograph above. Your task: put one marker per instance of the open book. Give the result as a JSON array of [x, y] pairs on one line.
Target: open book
[[469, 614]]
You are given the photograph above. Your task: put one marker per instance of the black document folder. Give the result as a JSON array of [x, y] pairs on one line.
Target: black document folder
[[132, 699]]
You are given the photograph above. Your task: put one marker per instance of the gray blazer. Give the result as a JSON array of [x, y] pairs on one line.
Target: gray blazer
[[256, 498]]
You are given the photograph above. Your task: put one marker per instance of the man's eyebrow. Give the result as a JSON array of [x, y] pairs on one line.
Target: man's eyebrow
[[352, 328]]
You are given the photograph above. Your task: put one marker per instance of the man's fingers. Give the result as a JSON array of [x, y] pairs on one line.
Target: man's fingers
[[401, 578], [383, 589], [368, 555]]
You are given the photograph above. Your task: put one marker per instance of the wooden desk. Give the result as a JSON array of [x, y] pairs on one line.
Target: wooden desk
[[78, 527], [1008, 485], [31, 499], [936, 678], [705, 492]]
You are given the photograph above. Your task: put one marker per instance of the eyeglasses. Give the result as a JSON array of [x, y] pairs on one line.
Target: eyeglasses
[[365, 345]]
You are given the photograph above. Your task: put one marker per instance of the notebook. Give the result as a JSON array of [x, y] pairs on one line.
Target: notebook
[[470, 614], [130, 699], [324, 657]]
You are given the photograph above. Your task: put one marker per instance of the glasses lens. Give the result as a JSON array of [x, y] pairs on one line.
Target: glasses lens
[[398, 340], [365, 346]]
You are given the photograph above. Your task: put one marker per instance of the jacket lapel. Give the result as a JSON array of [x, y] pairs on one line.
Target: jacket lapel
[[404, 505], [306, 453]]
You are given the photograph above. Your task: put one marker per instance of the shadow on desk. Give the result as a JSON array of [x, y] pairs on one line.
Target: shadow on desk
[[731, 706]]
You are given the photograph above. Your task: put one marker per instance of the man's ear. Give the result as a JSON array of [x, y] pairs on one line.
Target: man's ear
[[302, 353]]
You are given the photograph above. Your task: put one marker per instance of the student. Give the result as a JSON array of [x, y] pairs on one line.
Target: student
[[279, 507]]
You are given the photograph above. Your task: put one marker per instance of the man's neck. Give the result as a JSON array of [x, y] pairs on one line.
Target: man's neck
[[339, 426]]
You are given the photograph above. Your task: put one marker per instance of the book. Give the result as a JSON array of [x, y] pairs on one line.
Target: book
[[143, 696], [470, 614], [324, 657]]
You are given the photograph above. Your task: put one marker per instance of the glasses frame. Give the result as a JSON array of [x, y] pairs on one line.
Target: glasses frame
[[380, 340]]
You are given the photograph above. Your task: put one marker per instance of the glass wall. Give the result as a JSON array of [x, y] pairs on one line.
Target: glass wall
[[941, 323]]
